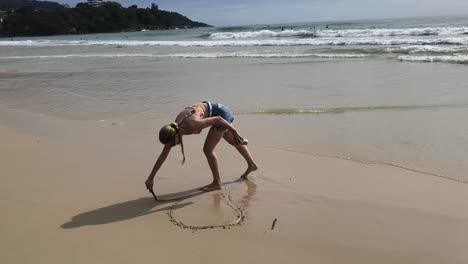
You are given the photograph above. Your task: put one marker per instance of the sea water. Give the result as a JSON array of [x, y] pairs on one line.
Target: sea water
[[389, 91]]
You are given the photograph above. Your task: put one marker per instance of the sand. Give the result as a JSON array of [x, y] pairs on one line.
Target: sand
[[73, 192]]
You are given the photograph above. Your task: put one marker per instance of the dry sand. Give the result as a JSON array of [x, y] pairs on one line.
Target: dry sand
[[73, 192]]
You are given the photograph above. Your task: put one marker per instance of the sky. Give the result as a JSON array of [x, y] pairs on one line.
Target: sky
[[248, 12]]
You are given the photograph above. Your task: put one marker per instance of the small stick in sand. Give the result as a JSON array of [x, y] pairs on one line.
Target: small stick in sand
[[273, 225], [152, 192]]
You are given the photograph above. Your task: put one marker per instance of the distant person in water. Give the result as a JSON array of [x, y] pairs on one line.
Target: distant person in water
[[192, 120]]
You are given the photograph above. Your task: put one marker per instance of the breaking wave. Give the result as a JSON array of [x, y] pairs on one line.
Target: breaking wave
[[262, 34], [456, 58], [244, 43], [195, 55], [427, 48], [352, 33], [343, 33]]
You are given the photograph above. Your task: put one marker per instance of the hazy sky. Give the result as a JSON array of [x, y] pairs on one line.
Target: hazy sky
[[242, 12]]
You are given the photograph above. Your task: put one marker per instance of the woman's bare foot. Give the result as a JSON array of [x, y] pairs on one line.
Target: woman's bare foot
[[252, 167], [211, 187]]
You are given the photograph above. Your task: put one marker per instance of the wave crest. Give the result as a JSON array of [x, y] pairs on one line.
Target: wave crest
[[246, 42], [340, 33], [261, 34], [456, 58], [195, 55], [354, 33]]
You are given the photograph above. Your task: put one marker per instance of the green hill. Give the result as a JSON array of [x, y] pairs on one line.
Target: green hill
[[82, 19], [39, 5]]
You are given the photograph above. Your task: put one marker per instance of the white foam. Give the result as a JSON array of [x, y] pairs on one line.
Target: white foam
[[428, 48], [254, 42], [348, 33], [261, 34], [264, 55], [238, 55], [457, 58], [329, 33], [194, 55], [78, 56], [340, 56]]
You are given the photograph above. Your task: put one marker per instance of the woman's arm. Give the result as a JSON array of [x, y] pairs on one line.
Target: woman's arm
[[216, 120], [159, 162]]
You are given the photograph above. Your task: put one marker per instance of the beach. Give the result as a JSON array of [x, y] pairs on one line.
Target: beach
[[84, 200], [362, 159]]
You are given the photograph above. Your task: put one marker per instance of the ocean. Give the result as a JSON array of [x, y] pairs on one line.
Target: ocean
[[391, 92]]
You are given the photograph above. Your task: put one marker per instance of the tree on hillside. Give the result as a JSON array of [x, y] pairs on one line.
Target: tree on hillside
[[110, 17]]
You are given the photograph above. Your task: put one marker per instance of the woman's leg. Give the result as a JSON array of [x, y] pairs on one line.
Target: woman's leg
[[244, 151], [214, 136]]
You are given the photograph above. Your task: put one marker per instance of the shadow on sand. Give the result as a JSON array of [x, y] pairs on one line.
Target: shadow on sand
[[132, 209]]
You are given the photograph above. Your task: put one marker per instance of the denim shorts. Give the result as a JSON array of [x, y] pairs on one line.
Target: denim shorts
[[217, 109]]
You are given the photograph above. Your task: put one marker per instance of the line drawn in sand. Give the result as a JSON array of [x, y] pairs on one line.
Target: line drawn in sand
[[226, 197]]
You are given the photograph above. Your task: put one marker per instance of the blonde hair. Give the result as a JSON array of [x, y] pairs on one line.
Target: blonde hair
[[167, 135]]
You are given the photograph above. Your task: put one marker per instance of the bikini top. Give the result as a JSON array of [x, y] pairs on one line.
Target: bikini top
[[195, 109]]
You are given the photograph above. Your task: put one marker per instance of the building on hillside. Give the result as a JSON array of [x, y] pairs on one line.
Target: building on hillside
[[95, 3], [2, 15]]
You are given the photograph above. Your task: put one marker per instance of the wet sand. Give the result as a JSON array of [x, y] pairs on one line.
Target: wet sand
[[73, 192]]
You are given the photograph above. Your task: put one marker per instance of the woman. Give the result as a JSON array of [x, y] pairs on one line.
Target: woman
[[192, 120]]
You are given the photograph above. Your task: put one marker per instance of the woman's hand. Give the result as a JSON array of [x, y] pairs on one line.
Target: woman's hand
[[240, 140], [162, 157], [149, 184]]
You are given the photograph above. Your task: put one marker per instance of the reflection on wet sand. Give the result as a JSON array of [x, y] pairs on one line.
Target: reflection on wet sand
[[246, 199], [251, 191]]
